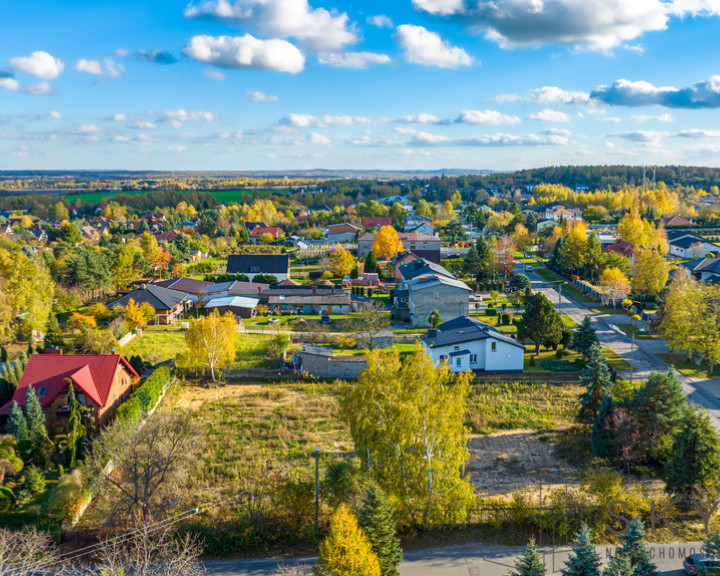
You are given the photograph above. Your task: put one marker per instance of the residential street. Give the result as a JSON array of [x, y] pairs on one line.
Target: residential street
[[473, 559], [641, 354]]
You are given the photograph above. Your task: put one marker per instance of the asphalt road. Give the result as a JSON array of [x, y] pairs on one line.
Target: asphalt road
[[641, 353], [465, 560]]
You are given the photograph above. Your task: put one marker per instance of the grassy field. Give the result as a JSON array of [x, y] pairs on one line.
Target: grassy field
[[631, 329], [513, 406], [160, 343]]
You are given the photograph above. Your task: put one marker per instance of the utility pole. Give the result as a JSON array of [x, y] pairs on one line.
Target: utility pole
[[317, 489], [560, 297], [632, 358]]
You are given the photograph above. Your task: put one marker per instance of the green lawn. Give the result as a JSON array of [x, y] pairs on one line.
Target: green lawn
[[615, 360], [568, 322], [567, 289], [688, 368], [160, 343], [631, 329]]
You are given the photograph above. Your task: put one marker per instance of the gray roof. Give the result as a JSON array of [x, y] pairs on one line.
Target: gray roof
[[465, 329], [421, 266], [233, 301], [709, 265], [159, 298], [459, 353], [428, 280]]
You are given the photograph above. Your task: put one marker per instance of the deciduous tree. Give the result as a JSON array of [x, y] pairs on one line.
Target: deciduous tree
[[387, 243], [541, 322], [341, 262], [649, 272], [615, 285], [212, 340]]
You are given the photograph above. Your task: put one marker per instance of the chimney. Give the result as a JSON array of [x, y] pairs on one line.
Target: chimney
[[143, 286], [113, 351], [432, 333], [259, 289], [314, 289], [55, 351]]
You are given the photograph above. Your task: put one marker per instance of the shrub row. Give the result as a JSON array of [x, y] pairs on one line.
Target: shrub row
[[145, 397]]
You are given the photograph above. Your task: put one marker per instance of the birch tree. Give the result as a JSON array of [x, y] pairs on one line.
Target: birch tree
[[407, 422], [212, 340]]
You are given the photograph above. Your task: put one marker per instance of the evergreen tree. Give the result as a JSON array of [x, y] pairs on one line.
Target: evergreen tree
[[53, 334], [695, 461], [472, 263], [346, 551], [17, 424], [354, 274], [555, 257], [595, 378], [530, 563], [658, 406], [593, 256], [376, 519], [371, 263], [584, 337], [634, 549], [3, 354], [619, 565], [483, 250], [75, 430], [602, 438], [37, 432], [583, 560]]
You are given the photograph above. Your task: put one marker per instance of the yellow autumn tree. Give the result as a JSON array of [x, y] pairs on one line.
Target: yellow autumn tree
[[211, 340], [341, 262], [387, 243], [79, 321], [133, 315], [650, 272], [346, 551], [615, 284]]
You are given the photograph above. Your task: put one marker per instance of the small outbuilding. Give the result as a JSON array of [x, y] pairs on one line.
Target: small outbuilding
[[241, 306]]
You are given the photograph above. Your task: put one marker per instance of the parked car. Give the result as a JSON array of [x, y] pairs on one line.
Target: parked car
[[273, 320], [325, 319], [693, 564]]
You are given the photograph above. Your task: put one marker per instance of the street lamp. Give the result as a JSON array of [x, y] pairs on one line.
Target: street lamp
[[317, 489]]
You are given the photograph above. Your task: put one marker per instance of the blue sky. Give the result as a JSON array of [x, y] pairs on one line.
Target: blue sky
[[401, 84]]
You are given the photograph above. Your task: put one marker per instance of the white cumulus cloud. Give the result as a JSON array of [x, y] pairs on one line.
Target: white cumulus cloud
[[246, 52], [176, 118], [315, 28], [40, 64], [319, 139], [666, 117], [257, 96], [549, 115], [421, 119], [704, 94], [421, 46], [440, 7], [327, 121], [214, 74], [9, 84], [356, 60], [486, 117], [380, 21], [105, 67]]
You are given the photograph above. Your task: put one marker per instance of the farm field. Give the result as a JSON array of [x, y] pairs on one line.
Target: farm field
[[220, 195]]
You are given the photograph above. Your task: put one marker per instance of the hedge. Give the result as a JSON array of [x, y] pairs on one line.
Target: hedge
[[147, 396], [490, 312]]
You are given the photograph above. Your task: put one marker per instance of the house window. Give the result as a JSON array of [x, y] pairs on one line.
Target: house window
[[458, 361], [493, 346], [442, 357], [437, 295], [42, 391], [254, 269], [473, 358]]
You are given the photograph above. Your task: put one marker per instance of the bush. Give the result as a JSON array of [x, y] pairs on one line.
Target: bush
[[494, 294], [34, 479], [67, 491], [91, 341], [490, 312], [559, 353], [145, 397], [532, 361], [7, 499], [505, 319], [558, 365]]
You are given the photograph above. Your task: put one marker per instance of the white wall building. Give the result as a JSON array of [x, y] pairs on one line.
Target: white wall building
[[468, 344]]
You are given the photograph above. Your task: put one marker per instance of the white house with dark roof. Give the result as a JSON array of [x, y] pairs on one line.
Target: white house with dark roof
[[468, 344], [683, 244]]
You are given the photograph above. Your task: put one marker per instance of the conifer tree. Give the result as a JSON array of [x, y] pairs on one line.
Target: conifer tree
[[595, 378], [530, 563], [76, 430], [555, 257], [346, 551], [634, 549], [53, 334], [695, 461], [472, 262], [602, 438], [37, 432], [584, 337], [375, 518], [619, 565], [17, 424], [371, 263], [583, 560]]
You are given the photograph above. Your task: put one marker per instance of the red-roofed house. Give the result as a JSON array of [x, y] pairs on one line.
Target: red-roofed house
[[372, 222], [101, 381], [621, 247], [259, 231], [675, 220]]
